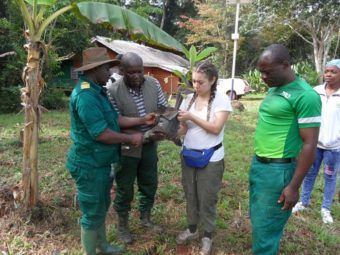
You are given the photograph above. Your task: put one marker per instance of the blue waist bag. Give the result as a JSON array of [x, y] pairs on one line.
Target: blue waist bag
[[198, 158]]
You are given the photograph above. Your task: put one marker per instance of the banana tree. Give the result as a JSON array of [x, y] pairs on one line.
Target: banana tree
[[36, 19], [193, 56]]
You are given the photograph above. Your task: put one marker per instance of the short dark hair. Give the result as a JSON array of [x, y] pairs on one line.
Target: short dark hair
[[279, 53]]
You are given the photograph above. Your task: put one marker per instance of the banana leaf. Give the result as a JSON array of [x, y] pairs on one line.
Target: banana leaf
[[123, 20]]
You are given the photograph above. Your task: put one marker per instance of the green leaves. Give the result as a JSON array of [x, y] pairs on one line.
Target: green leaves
[[41, 2], [121, 19], [205, 53]]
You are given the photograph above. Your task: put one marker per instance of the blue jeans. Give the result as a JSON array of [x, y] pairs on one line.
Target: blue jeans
[[331, 161]]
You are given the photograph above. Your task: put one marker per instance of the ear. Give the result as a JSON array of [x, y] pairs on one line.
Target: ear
[[213, 80], [286, 64]]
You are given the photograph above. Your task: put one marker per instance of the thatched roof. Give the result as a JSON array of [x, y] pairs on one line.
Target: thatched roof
[[151, 57]]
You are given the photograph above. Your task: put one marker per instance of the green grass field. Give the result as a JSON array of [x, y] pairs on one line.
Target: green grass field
[[53, 227]]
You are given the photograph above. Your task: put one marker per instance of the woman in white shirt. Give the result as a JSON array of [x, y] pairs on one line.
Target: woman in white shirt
[[202, 116]]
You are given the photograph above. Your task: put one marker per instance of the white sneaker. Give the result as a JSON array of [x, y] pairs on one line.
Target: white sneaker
[[206, 246], [326, 216], [298, 207], [186, 236]]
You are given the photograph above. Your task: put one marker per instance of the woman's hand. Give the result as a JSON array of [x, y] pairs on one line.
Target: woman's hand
[[184, 116]]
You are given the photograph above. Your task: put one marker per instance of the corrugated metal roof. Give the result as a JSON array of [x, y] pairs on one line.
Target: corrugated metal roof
[[151, 57]]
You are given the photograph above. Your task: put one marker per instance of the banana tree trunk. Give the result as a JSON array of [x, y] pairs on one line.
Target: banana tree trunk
[[30, 99]]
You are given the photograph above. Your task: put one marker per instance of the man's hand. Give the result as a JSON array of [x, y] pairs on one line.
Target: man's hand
[[290, 197], [150, 119], [156, 136], [136, 139]]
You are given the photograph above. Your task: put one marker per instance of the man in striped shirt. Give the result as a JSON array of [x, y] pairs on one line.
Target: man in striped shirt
[[287, 129], [136, 95]]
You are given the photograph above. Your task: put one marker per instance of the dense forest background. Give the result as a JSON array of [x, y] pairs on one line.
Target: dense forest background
[[309, 28]]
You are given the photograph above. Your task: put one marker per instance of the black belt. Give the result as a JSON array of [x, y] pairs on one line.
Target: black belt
[[274, 160]]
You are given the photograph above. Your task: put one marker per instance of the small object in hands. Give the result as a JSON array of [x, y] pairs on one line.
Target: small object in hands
[[125, 147], [167, 124]]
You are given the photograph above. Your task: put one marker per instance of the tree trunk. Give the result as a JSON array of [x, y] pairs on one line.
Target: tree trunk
[[164, 7], [30, 99]]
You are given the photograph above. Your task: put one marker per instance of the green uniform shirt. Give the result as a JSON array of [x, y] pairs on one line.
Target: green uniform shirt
[[282, 113], [91, 113]]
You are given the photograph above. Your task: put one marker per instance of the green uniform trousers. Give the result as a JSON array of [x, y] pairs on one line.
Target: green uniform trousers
[[266, 182], [93, 187], [143, 169]]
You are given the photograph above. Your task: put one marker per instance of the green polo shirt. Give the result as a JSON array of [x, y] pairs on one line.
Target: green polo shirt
[[91, 113], [282, 113]]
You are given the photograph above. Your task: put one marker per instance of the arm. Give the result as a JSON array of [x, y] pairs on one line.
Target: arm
[[290, 194], [127, 122], [108, 136], [183, 128], [214, 127]]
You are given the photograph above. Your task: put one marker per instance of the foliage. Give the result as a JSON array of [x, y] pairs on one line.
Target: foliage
[[255, 81], [316, 22], [54, 99], [211, 28], [193, 56], [172, 12], [11, 40], [121, 19], [10, 99], [148, 9], [307, 71]]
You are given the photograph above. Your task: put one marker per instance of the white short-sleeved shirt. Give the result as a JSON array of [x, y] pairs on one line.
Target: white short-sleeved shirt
[[196, 137]]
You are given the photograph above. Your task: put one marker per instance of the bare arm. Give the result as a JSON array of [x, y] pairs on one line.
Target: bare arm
[[290, 194], [127, 122], [183, 128], [111, 137], [214, 127]]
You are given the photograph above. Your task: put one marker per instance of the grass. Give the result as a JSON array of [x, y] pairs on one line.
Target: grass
[[53, 227]]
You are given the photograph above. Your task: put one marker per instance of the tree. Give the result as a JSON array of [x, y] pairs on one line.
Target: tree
[[36, 17], [315, 21], [212, 27]]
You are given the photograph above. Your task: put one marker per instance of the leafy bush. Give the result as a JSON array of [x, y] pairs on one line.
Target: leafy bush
[[255, 81], [307, 71], [53, 99], [10, 99]]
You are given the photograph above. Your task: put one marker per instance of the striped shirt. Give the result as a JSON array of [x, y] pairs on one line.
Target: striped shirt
[[137, 96]]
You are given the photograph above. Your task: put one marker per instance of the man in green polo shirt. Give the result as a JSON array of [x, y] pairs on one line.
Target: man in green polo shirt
[[96, 137], [285, 143]]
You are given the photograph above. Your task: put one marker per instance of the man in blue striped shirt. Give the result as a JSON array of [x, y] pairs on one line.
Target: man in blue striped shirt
[[136, 95]]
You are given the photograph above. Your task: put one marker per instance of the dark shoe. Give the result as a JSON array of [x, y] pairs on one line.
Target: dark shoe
[[147, 223], [89, 241], [103, 246], [123, 229]]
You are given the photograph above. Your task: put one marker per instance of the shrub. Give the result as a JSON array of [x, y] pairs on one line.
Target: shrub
[[53, 99], [255, 81], [307, 71], [10, 99]]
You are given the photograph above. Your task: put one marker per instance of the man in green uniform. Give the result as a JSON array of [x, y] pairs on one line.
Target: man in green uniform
[[135, 95], [285, 143], [96, 137]]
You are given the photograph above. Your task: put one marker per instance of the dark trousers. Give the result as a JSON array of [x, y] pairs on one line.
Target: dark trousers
[[143, 169]]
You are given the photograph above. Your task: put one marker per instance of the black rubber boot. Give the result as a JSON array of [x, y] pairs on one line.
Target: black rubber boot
[[123, 229], [146, 222]]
